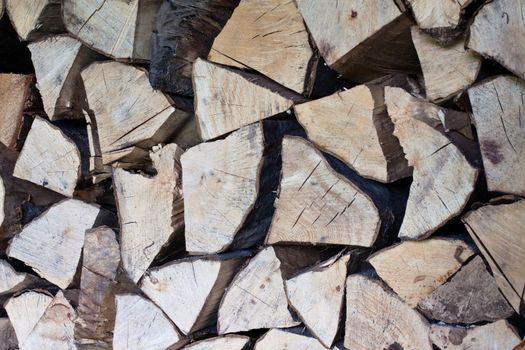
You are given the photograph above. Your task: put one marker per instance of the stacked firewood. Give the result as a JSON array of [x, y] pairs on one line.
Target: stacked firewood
[[262, 174]]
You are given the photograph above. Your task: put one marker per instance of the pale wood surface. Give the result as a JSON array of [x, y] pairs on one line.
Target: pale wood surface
[[228, 342], [497, 106], [11, 280], [8, 339], [220, 187], [15, 91], [443, 178], [316, 205], [34, 18], [281, 339], [431, 14], [414, 269]]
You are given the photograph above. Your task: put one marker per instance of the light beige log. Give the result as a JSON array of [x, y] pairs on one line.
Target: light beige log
[[34, 18], [12, 281], [498, 106], [150, 209], [414, 269], [15, 92], [51, 244], [281, 339], [8, 339], [220, 185], [256, 297], [316, 205], [49, 158], [227, 99], [227, 342], [443, 178], [270, 37], [497, 33]]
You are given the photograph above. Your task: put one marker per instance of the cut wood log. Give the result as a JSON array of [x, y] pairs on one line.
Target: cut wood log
[[118, 29], [140, 324], [497, 335], [378, 319], [52, 243], [2, 200], [281, 339], [499, 233], [12, 281], [184, 31], [228, 99], [269, 37], [58, 166], [150, 209], [33, 19], [220, 188], [447, 70], [8, 339], [317, 205], [443, 177], [415, 269], [256, 297], [317, 297], [362, 41], [497, 106], [496, 34], [227, 342]]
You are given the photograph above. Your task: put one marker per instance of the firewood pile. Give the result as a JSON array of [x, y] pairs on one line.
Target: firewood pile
[[262, 174]]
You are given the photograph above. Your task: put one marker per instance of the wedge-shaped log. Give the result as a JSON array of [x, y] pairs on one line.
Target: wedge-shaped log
[[282, 339], [150, 209], [7, 333], [443, 177], [414, 269], [227, 342], [34, 18], [12, 281]]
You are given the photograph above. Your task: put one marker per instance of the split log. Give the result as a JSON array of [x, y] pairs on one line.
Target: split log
[[415, 269], [2, 200], [317, 297], [378, 319], [220, 186], [184, 31], [227, 342], [497, 106], [282, 339], [361, 41], [443, 177], [8, 339], [118, 29], [496, 34], [499, 233], [140, 324], [256, 297], [447, 70], [227, 99], [58, 166], [33, 19], [52, 243], [497, 335], [12, 281], [150, 209], [269, 37]]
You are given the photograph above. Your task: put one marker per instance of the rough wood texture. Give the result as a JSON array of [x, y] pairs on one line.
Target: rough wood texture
[[443, 177], [8, 339], [281, 339], [49, 158], [447, 70], [317, 205], [269, 37], [227, 342], [378, 319], [12, 281], [497, 106], [34, 18], [2, 200], [227, 99], [150, 209], [220, 187], [51, 244], [414, 269], [256, 297], [15, 95], [497, 31], [362, 40]]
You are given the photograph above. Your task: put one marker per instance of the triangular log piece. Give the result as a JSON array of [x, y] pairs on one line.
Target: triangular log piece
[[497, 335], [140, 324], [12, 281], [8, 339], [361, 40], [499, 233], [220, 185], [471, 296], [317, 205], [443, 177], [256, 297], [498, 105], [282, 339], [227, 99], [118, 29], [33, 19], [447, 70], [190, 290], [317, 296], [49, 158], [227, 342], [52, 243], [150, 209], [269, 37], [497, 33], [414, 269], [378, 319]]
